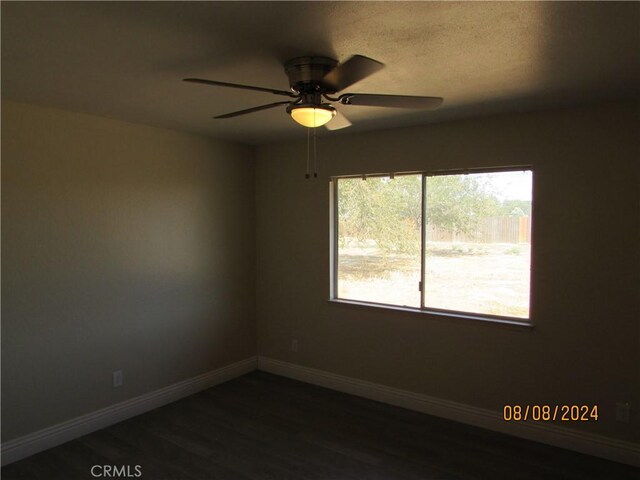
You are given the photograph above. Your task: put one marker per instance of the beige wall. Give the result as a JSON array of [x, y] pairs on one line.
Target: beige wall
[[130, 247], [123, 247], [584, 347]]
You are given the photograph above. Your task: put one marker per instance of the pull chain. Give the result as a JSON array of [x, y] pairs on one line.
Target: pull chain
[[306, 175], [315, 155]]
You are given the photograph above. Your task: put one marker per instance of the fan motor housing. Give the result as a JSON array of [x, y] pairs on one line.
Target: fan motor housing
[[306, 74]]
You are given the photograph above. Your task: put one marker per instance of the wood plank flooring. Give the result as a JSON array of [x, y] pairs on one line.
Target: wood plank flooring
[[262, 426]]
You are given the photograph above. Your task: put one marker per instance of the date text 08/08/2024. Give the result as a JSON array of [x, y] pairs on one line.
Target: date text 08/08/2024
[[550, 413]]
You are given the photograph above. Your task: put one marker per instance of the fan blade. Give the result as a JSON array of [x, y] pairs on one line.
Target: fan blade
[[351, 71], [337, 122], [237, 85], [395, 101], [251, 110]]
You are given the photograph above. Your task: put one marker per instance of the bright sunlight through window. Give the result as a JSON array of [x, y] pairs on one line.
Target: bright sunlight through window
[[457, 243]]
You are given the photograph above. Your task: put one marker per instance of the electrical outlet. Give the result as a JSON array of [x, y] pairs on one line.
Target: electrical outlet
[[117, 378], [294, 345], [623, 412]]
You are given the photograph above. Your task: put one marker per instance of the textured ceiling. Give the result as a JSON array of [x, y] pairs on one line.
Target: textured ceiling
[[126, 59]]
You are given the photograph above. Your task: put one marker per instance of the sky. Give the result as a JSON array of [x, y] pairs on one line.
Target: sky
[[509, 185]]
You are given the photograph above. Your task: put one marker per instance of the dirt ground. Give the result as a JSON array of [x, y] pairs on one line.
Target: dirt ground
[[467, 277]]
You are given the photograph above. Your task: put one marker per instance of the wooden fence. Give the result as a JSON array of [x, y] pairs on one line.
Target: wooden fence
[[504, 229]]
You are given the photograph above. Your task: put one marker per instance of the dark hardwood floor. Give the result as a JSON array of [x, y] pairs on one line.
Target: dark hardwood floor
[[262, 426]]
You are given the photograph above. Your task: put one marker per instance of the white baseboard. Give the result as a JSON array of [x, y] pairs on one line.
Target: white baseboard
[[32, 443], [583, 442]]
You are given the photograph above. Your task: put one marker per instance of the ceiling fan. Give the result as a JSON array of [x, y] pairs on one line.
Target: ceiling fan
[[313, 81]]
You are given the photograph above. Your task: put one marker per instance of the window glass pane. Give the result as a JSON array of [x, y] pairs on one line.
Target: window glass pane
[[478, 243], [379, 236]]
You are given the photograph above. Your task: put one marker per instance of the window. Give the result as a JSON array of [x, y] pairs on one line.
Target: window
[[443, 242]]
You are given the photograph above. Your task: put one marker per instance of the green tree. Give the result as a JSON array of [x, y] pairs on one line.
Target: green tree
[[389, 211], [516, 207], [385, 210], [457, 202]]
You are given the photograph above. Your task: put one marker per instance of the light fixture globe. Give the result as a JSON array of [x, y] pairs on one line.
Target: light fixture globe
[[311, 116]]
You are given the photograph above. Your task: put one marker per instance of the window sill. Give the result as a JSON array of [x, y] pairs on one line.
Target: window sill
[[506, 321]]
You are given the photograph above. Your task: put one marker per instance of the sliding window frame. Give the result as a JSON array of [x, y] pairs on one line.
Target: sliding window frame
[[334, 221]]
